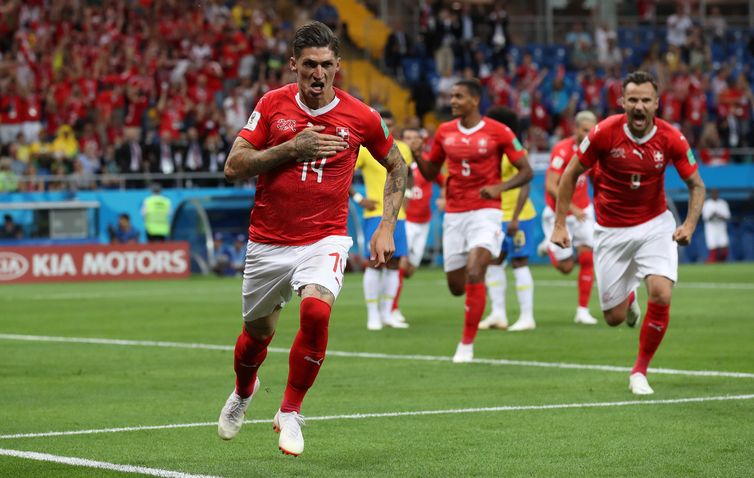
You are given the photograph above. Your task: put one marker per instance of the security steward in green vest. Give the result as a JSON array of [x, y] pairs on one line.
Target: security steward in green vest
[[156, 213]]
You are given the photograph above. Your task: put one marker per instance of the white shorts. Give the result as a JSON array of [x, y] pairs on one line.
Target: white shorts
[[273, 272], [580, 232], [464, 231], [416, 236], [624, 256], [716, 235]]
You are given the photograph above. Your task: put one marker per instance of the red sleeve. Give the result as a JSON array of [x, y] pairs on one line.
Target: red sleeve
[[591, 147], [511, 145], [377, 138], [558, 161], [437, 153], [682, 156], [440, 179], [257, 129]]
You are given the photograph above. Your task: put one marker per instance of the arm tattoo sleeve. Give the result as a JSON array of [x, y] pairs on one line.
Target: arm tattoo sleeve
[[395, 184]]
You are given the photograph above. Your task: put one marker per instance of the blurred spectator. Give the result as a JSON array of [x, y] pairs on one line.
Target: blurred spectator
[[326, 13], [446, 35], [65, 146], [498, 24], [647, 10], [678, 24], [8, 178], [223, 258], [612, 55], [397, 48], [10, 229], [81, 178], [711, 151], [578, 37], [123, 232], [715, 24], [239, 253], [444, 87], [716, 215]]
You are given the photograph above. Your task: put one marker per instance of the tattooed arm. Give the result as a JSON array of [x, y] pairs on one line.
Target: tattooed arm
[[382, 244], [683, 234], [245, 161]]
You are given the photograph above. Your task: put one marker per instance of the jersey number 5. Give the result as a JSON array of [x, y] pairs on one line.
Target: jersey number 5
[[317, 169], [465, 168]]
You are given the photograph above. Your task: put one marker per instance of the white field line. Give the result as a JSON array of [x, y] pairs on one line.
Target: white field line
[[415, 413], [379, 356], [681, 284], [102, 465]]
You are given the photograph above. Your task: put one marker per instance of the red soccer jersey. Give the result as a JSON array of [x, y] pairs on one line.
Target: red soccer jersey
[[474, 156], [630, 175], [561, 155], [300, 203], [418, 208]]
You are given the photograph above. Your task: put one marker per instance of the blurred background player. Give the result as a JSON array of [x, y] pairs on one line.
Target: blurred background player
[[418, 212], [302, 140], [716, 214], [381, 283], [635, 232], [518, 230], [123, 232], [580, 220], [473, 146]]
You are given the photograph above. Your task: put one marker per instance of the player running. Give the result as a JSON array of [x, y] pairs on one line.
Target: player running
[[580, 220], [302, 140], [634, 235], [473, 145]]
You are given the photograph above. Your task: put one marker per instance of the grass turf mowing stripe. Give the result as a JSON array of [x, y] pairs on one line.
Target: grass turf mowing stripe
[[102, 465], [371, 355], [361, 416]]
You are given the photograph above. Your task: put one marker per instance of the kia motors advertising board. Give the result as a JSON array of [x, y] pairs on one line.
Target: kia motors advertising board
[[94, 262]]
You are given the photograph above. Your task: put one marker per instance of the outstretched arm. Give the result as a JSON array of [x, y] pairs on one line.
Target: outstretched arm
[[245, 161], [566, 185], [523, 176], [683, 234], [428, 169], [382, 244]]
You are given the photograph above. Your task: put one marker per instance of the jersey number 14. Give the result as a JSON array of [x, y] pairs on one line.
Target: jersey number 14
[[313, 165]]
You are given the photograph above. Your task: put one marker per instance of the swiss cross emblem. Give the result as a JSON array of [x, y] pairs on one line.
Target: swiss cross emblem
[[342, 132], [658, 156]]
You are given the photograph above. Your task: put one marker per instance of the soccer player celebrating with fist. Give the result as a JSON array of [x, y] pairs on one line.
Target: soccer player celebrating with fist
[[635, 233]]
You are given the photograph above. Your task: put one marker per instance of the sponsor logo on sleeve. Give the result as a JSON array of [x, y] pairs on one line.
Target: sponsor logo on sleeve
[[251, 125], [517, 144], [584, 145], [384, 128], [690, 157]]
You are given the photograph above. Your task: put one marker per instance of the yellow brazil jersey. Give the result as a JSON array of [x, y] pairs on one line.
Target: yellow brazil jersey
[[375, 176], [510, 197]]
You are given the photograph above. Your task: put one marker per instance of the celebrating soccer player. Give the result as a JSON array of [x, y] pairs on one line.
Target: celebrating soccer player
[[474, 146], [580, 220], [302, 140], [634, 235]]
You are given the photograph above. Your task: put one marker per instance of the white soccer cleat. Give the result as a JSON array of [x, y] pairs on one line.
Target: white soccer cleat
[[288, 424], [638, 384], [391, 321], [374, 323], [633, 315], [464, 353], [494, 321], [234, 413], [523, 323], [542, 248], [584, 317], [398, 316]]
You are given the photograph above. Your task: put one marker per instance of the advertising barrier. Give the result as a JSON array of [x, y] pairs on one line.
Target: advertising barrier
[[90, 262]]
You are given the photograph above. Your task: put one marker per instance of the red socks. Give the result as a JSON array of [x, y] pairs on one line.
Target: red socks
[[400, 289], [553, 260], [652, 331], [586, 277], [248, 356], [476, 299], [307, 352]]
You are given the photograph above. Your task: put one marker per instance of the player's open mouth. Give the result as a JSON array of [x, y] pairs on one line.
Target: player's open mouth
[[639, 120], [318, 86]]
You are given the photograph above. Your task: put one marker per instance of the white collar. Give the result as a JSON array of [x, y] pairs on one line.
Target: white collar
[[472, 130], [319, 111], [641, 140]]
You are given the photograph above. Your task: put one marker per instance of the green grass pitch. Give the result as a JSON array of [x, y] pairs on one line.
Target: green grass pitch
[[679, 431]]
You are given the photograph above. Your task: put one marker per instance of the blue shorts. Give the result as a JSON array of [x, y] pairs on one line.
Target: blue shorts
[[520, 245], [399, 236]]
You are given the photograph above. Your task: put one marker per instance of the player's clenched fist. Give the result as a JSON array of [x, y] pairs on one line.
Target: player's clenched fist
[[560, 237]]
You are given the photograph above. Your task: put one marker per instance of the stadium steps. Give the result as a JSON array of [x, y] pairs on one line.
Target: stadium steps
[[368, 82], [364, 29]]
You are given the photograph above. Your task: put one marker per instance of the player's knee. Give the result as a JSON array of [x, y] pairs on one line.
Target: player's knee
[[475, 275], [408, 271], [614, 317], [565, 266], [457, 289], [660, 296], [259, 330]]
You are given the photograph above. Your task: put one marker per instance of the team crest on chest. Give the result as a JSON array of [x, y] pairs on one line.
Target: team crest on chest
[[659, 159], [482, 143], [342, 132]]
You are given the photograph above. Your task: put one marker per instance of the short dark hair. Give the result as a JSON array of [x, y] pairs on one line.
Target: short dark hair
[[386, 114], [314, 34], [504, 115], [639, 77], [474, 87]]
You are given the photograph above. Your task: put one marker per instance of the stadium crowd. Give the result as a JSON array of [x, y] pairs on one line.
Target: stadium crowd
[[90, 90]]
